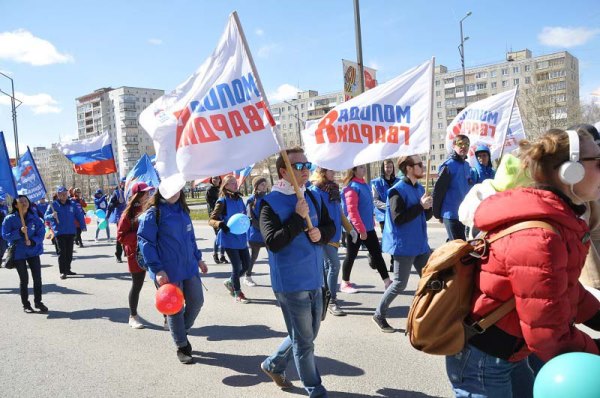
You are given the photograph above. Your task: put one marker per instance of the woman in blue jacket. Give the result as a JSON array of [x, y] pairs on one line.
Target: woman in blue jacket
[[229, 203], [255, 238], [167, 243], [27, 251]]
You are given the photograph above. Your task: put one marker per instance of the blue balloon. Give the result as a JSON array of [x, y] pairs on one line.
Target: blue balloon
[[100, 213], [569, 375], [90, 213], [103, 224], [238, 224]]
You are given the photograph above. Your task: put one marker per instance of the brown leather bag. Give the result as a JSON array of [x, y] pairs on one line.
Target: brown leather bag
[[436, 320]]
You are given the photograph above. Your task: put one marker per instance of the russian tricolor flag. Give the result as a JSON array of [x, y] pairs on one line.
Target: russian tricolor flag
[[92, 156]]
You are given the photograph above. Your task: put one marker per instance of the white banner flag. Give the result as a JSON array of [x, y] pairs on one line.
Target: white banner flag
[[487, 122], [390, 120], [214, 122]]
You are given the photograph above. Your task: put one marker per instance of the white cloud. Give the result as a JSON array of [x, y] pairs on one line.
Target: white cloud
[[566, 37], [284, 92], [266, 50], [155, 42], [39, 103], [596, 92], [259, 32], [21, 46], [373, 64]]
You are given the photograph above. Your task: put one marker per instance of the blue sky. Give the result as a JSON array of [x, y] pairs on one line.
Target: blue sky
[[56, 51]]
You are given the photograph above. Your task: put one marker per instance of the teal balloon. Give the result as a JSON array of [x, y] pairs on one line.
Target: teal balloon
[[100, 213], [238, 224], [103, 224], [576, 374], [90, 213]]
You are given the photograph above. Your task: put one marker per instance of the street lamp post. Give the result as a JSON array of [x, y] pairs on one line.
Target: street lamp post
[[297, 121], [14, 114], [461, 50]]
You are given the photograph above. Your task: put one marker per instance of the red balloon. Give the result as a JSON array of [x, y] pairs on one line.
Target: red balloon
[[169, 299], [88, 220]]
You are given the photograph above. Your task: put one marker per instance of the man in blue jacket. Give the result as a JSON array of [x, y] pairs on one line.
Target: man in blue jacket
[[296, 265], [61, 214], [116, 205], [452, 186], [405, 232]]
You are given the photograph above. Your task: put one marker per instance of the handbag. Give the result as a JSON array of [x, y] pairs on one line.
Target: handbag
[[9, 263]]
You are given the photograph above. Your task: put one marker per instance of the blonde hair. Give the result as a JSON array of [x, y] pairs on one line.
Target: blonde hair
[[319, 176], [224, 182], [349, 176], [541, 158]]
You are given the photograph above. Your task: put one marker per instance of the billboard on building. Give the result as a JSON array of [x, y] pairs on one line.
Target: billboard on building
[[352, 83]]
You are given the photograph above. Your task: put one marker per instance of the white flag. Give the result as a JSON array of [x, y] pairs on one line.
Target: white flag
[[487, 122], [214, 122], [390, 120]]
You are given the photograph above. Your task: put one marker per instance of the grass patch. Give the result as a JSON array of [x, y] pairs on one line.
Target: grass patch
[[197, 215]]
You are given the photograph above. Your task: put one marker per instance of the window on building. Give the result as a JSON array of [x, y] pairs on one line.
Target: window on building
[[481, 86], [441, 146], [301, 106], [432, 147], [504, 71], [432, 157], [515, 69], [541, 65], [527, 80], [504, 83], [480, 75], [516, 82], [432, 168], [527, 68], [493, 73], [494, 84], [437, 83], [442, 156], [438, 104], [440, 126], [439, 115], [437, 93], [143, 99]]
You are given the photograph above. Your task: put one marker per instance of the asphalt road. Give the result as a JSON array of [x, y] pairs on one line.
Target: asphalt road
[[84, 347]]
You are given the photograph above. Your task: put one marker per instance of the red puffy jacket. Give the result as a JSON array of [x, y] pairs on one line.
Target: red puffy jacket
[[127, 236], [540, 268]]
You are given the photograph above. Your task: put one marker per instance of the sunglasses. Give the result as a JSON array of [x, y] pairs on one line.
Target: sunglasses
[[592, 158], [302, 165], [462, 144], [420, 164]]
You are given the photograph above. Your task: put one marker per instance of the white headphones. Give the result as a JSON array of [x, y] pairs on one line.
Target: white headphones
[[571, 171]]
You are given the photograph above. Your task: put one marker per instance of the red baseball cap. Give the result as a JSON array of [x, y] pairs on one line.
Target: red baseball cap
[[140, 187]]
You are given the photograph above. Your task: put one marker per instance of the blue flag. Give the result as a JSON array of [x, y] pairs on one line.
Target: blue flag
[[7, 182], [27, 176], [143, 171]]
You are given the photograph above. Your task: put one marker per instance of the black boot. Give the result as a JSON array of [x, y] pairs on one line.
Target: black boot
[[224, 259], [216, 258], [184, 354]]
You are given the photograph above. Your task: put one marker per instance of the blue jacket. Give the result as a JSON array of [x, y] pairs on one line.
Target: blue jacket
[[11, 232], [67, 214], [170, 244], [481, 172], [333, 208], [101, 203], [410, 238], [228, 240], [458, 184], [41, 208], [298, 266], [116, 206], [253, 211], [381, 186]]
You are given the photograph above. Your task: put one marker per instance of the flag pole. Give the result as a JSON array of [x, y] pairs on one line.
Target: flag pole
[[512, 108], [427, 172], [280, 142]]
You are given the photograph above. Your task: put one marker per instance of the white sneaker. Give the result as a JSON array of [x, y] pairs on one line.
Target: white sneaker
[[249, 282], [134, 322], [96, 240], [348, 288]]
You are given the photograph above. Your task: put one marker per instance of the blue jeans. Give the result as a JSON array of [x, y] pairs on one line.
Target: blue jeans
[[454, 228], [302, 314], [331, 262], [402, 266], [182, 322], [240, 261], [475, 374]]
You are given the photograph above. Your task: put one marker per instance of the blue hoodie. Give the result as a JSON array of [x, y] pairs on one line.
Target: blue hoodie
[[67, 214], [481, 172], [11, 232], [170, 244]]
